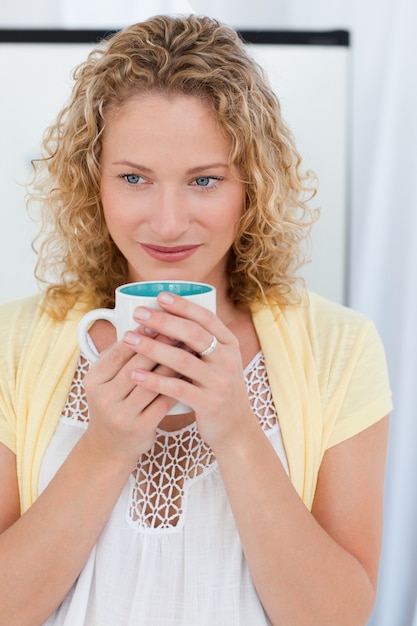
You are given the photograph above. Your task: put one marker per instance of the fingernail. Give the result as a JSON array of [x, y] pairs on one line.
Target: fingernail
[[138, 376], [166, 298], [131, 338], [141, 314]]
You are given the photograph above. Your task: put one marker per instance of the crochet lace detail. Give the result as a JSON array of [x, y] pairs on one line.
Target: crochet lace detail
[[76, 407], [162, 476]]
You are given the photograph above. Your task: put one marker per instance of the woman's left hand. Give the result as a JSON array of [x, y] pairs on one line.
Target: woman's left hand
[[212, 385]]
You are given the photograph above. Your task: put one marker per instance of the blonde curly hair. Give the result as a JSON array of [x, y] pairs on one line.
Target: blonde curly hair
[[195, 56]]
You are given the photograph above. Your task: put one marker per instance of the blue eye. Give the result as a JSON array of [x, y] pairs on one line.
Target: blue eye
[[203, 181], [207, 182], [132, 179]]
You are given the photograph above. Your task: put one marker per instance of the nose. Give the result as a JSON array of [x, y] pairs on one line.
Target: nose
[[170, 216]]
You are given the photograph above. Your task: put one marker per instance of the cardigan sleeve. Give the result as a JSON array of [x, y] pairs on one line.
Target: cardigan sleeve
[[358, 391], [351, 370], [7, 425], [12, 332], [37, 362]]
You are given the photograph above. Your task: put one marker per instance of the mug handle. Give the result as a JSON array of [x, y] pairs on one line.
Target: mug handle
[[92, 316]]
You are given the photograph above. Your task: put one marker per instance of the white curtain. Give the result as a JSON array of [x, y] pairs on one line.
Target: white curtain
[[383, 221]]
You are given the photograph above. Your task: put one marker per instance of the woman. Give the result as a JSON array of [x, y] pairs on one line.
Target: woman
[[262, 506]]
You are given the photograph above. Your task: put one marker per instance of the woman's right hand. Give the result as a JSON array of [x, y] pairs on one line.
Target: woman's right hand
[[123, 417]]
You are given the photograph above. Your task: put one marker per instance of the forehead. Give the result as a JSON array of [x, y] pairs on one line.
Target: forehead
[[155, 101], [165, 119]]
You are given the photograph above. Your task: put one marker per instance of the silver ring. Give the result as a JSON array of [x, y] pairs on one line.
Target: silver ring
[[211, 347]]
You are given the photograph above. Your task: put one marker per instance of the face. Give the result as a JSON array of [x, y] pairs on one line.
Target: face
[[170, 200]]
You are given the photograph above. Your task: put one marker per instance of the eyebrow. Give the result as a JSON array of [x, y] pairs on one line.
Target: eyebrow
[[193, 170], [208, 166]]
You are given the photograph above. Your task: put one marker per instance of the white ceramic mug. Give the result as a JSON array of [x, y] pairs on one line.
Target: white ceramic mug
[[129, 297]]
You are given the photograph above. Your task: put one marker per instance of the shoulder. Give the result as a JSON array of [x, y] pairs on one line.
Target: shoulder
[[336, 330], [347, 352], [318, 331], [32, 309], [339, 337], [319, 312], [326, 321], [15, 306], [18, 313], [19, 325], [314, 319], [25, 321]]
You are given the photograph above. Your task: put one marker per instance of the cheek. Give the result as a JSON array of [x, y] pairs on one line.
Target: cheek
[[115, 210], [107, 203], [111, 216], [225, 229], [236, 212]]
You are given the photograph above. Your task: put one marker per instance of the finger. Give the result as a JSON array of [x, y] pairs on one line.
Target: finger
[[179, 360], [182, 308], [158, 408], [130, 338], [196, 332], [118, 355], [121, 396], [176, 388], [141, 399], [113, 359]]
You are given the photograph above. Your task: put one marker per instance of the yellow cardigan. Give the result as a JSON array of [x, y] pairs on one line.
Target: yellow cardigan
[[325, 364]]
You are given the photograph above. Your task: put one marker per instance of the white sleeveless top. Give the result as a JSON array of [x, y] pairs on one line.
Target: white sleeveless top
[[169, 555]]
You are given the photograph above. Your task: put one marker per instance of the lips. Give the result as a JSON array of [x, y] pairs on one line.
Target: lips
[[169, 254]]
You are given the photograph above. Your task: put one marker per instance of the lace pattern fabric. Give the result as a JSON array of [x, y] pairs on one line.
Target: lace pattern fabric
[[177, 459]]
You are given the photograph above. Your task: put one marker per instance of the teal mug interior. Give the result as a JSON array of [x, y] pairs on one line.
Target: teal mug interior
[[152, 289]]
